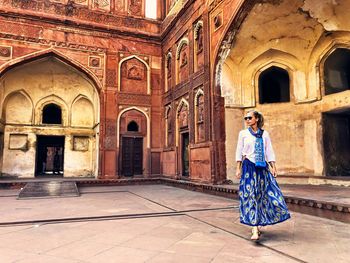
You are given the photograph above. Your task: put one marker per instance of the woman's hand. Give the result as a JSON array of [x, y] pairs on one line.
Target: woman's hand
[[238, 174], [273, 169]]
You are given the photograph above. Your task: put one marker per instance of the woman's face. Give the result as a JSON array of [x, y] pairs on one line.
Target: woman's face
[[250, 119]]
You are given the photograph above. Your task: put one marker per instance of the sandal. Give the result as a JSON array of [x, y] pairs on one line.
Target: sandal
[[255, 234]]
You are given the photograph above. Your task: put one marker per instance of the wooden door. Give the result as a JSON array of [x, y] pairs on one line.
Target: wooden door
[[185, 140], [132, 158]]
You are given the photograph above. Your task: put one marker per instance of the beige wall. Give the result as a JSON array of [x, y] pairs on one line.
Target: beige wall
[[297, 36], [25, 90]]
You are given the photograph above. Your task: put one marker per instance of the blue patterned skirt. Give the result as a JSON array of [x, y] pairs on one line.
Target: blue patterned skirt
[[261, 199]]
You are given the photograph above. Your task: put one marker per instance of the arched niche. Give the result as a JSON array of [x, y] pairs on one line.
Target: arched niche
[[17, 108], [336, 75], [168, 71], [182, 60], [134, 76], [138, 115], [274, 85], [182, 115], [198, 34], [52, 114], [82, 113], [199, 116], [51, 100]]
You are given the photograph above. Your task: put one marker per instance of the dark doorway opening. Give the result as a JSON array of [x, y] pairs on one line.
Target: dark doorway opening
[[185, 160], [337, 71], [274, 85], [52, 114], [49, 155], [132, 156], [336, 142]]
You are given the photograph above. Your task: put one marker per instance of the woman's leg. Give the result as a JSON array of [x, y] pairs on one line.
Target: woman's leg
[[255, 233]]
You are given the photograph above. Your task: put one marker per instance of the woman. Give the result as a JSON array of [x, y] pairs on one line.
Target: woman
[[261, 200]]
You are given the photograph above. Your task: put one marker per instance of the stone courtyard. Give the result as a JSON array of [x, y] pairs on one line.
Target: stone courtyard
[[156, 223]]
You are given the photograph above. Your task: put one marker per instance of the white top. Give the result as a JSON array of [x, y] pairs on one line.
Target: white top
[[246, 146]]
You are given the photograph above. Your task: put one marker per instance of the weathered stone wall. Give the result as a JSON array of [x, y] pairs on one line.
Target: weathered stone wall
[[294, 35]]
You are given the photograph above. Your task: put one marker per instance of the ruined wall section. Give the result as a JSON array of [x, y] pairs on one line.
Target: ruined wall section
[[296, 36]]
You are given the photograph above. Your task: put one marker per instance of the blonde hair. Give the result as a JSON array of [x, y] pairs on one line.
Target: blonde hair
[[260, 118]]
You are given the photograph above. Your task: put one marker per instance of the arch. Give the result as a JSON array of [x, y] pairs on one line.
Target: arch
[[133, 127], [183, 41], [148, 124], [167, 118], [198, 93], [143, 62], [274, 85], [57, 54], [27, 98], [51, 99], [52, 114], [197, 26], [223, 49], [336, 74], [168, 69], [82, 112], [181, 103]]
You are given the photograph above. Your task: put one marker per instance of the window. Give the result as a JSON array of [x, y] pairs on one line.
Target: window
[[337, 71], [133, 127], [274, 85], [151, 9], [52, 114]]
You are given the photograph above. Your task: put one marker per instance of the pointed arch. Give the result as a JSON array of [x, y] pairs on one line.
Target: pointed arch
[[143, 62], [57, 54], [23, 93], [148, 137], [196, 29], [181, 103], [82, 112], [51, 99], [183, 41]]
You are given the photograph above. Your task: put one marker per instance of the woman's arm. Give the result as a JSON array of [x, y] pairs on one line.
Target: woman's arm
[[238, 170]]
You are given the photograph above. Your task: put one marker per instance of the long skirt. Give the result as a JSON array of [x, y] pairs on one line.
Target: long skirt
[[261, 199]]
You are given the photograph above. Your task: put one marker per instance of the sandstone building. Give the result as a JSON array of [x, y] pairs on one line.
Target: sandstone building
[[119, 88]]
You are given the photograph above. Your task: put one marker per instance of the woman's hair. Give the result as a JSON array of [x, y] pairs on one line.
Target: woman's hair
[[260, 118]]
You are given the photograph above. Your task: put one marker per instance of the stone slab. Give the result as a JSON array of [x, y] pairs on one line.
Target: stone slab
[[48, 190]]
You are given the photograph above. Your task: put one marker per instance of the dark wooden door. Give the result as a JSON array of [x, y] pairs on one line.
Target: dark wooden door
[[132, 149], [185, 140]]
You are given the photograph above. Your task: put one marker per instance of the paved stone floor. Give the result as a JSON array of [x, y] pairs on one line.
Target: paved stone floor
[[156, 223]]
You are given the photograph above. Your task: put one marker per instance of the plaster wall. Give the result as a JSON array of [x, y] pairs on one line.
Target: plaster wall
[[296, 36], [25, 91]]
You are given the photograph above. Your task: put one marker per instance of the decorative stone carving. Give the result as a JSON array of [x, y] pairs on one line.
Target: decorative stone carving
[[218, 21], [183, 116], [70, 8], [111, 77], [168, 66], [199, 41], [183, 59], [135, 7], [135, 72], [101, 4], [5, 52], [94, 62]]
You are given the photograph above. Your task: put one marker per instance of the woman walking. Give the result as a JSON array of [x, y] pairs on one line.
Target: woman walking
[[261, 200]]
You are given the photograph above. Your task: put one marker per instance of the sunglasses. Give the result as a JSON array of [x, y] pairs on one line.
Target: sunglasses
[[248, 118]]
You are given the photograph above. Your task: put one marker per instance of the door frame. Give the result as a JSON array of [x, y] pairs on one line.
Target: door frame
[[63, 138], [121, 154]]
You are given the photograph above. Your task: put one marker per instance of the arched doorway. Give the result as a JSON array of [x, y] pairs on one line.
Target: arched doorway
[[133, 139], [51, 123]]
